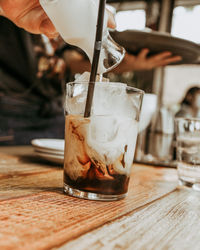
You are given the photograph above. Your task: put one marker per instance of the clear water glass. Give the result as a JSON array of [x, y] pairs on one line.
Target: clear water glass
[[99, 150], [188, 151]]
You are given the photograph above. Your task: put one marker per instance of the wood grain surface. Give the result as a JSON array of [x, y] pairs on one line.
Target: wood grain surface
[[171, 222], [34, 214], [21, 175]]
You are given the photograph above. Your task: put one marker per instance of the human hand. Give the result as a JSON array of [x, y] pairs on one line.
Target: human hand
[[142, 62], [111, 20], [29, 15]]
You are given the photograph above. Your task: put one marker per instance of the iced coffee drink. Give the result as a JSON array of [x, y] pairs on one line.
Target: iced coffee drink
[[99, 150]]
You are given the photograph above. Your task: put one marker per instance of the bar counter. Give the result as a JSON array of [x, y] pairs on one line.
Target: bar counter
[[35, 214]]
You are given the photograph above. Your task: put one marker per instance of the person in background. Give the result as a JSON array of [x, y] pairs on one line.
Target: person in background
[[31, 87], [34, 69], [190, 105]]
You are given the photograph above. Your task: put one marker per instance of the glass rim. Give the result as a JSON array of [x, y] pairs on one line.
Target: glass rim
[[113, 84]]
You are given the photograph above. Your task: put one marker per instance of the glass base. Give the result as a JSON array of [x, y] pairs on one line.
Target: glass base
[[91, 196], [195, 186]]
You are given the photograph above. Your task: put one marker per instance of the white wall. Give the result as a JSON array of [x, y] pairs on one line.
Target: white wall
[[178, 79]]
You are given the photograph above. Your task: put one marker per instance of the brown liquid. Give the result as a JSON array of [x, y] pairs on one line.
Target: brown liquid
[[87, 174], [95, 182]]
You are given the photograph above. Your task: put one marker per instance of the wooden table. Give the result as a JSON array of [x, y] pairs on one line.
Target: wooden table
[[35, 214]]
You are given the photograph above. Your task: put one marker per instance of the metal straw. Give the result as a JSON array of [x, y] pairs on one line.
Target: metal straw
[[95, 60]]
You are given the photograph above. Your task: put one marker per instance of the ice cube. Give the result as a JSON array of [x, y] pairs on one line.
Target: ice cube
[[76, 99], [113, 99], [85, 77], [109, 98]]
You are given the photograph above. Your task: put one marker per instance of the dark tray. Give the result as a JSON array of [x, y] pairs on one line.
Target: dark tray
[[133, 41]]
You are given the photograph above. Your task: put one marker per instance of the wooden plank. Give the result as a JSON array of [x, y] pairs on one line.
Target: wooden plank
[[13, 167], [22, 162], [26, 174], [49, 219], [22, 185], [17, 150], [171, 222]]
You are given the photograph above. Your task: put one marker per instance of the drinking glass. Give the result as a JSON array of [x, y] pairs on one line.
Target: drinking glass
[[188, 151], [76, 21], [99, 150]]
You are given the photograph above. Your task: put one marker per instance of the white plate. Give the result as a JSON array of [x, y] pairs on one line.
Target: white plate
[[51, 157], [47, 151], [49, 144]]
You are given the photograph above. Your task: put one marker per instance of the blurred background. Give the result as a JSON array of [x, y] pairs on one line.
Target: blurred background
[[182, 21], [173, 84], [35, 69]]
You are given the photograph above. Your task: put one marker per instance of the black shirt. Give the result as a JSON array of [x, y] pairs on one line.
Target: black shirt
[[30, 106]]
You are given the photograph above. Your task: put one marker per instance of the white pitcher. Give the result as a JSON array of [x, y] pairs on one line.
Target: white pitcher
[[76, 22]]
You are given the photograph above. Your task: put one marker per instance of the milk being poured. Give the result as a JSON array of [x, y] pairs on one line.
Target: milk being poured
[[76, 21]]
